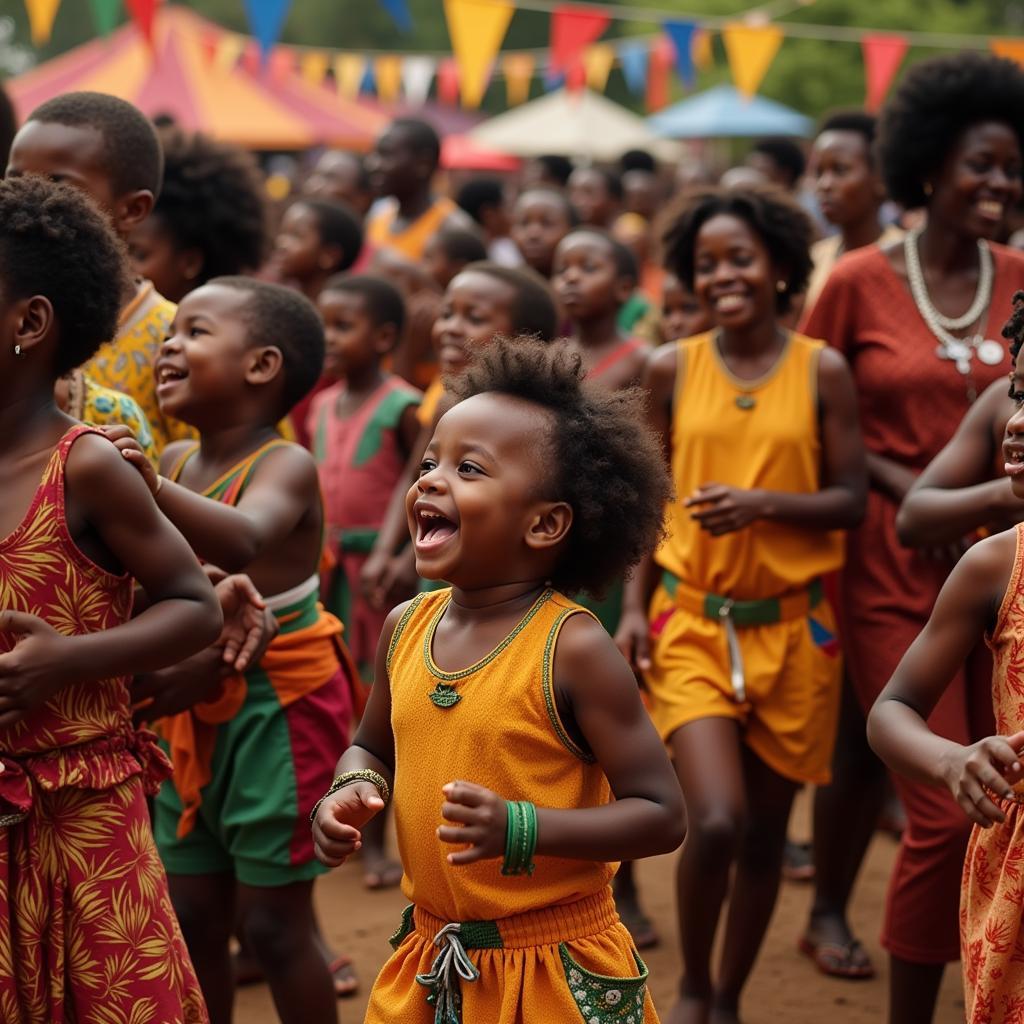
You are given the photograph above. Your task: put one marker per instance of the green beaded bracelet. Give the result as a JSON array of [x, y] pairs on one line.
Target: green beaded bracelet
[[520, 838]]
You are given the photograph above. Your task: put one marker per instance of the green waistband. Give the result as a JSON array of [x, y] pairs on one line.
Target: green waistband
[[763, 612], [472, 934], [357, 540], [300, 615]]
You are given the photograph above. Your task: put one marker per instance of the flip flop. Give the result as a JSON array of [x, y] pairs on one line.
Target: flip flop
[[798, 862], [847, 960], [387, 876], [346, 983]]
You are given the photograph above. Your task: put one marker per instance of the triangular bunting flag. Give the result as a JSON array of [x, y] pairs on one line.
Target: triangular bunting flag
[[703, 52], [208, 40], [266, 19], [597, 65], [399, 11], [348, 74], [368, 84], [751, 50], [313, 66], [1012, 49], [387, 70], [41, 14], [882, 58], [518, 71], [573, 29], [417, 76], [281, 63], [682, 34], [662, 55], [477, 29], [143, 13], [633, 58], [229, 49], [105, 14], [448, 81]]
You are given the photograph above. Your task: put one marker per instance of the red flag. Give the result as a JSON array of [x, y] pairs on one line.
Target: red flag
[[658, 64], [143, 13], [448, 81], [573, 29], [883, 55]]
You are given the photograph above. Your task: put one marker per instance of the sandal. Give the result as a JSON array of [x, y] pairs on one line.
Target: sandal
[[798, 862], [346, 982], [839, 960]]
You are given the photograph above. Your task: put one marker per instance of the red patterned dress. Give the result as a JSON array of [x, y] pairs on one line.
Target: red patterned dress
[[87, 932], [992, 893]]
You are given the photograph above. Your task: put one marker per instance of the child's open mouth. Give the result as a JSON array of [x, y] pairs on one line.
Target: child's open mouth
[[433, 528], [167, 376]]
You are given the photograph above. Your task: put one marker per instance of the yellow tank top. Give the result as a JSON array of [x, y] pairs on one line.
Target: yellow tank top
[[751, 434], [504, 733], [412, 240]]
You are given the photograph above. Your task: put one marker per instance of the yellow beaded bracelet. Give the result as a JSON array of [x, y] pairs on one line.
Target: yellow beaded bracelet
[[350, 778]]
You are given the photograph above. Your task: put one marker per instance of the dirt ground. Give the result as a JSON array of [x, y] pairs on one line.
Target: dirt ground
[[785, 987]]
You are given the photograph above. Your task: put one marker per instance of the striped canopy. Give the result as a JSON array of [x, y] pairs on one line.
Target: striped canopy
[[236, 101]]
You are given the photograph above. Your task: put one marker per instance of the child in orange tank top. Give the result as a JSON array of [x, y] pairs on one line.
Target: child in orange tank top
[[727, 620], [508, 856], [984, 595]]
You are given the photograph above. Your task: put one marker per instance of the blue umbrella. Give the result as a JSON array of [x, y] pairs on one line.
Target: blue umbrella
[[723, 112]]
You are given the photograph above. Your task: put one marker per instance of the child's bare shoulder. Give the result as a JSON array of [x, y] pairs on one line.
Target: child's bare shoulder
[[584, 649], [288, 464]]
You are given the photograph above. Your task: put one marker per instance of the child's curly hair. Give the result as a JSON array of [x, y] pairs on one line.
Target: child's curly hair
[[1013, 329], [606, 463]]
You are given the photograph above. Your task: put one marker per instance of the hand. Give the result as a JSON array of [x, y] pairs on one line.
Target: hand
[[171, 690], [249, 627], [40, 665], [633, 639], [337, 827], [723, 509], [388, 580], [482, 818], [124, 440], [993, 765]]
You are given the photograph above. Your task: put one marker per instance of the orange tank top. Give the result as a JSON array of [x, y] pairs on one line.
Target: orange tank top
[[750, 434], [504, 732], [411, 240]]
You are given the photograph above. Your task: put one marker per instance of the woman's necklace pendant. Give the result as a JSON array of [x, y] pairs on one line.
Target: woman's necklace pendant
[[990, 352], [444, 696], [745, 402]]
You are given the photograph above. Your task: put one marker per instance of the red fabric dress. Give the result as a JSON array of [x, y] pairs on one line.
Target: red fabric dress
[[87, 932], [910, 402]]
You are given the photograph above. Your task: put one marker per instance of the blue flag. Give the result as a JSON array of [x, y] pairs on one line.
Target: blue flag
[[399, 11], [681, 34], [633, 57], [266, 19]]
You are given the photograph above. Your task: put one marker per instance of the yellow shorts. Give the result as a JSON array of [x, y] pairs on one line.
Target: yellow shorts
[[792, 670]]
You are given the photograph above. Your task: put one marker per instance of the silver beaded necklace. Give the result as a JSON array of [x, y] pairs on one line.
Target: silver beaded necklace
[[958, 350]]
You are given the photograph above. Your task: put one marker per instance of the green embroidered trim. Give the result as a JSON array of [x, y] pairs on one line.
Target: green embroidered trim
[[549, 693], [480, 935], [385, 417], [403, 929], [602, 999], [454, 677], [400, 628]]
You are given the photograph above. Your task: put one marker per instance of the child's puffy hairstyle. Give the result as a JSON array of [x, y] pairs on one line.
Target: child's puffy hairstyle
[[279, 317], [132, 157], [604, 460], [381, 299], [1013, 329], [54, 242], [338, 225], [212, 200], [534, 310], [784, 228]]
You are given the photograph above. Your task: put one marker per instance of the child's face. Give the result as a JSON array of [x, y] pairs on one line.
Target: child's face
[[436, 262], [73, 154], [585, 277], [476, 307], [539, 223], [682, 314], [156, 256], [591, 196], [206, 361], [470, 510], [733, 273], [299, 253], [350, 335], [1013, 442]]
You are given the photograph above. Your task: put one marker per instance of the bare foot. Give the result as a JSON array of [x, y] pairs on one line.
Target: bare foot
[[835, 951], [690, 1010], [380, 872]]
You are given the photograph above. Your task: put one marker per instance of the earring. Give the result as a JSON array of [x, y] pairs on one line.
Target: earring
[[17, 350], [781, 286]]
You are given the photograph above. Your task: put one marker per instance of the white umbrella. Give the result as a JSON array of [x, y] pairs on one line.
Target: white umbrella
[[576, 124]]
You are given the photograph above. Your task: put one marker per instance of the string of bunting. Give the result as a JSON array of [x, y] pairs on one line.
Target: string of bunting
[[576, 55]]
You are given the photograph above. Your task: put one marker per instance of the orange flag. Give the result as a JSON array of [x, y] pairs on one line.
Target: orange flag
[[387, 72], [751, 50], [313, 66], [477, 29], [518, 69], [597, 64], [41, 14], [1013, 49]]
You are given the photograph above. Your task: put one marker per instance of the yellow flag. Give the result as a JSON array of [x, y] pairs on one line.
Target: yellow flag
[[40, 18], [751, 50], [1010, 48], [387, 73], [518, 69], [597, 65], [348, 74], [229, 49], [700, 50], [477, 29], [314, 65]]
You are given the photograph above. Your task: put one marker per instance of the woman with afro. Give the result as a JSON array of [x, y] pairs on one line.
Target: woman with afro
[[917, 320]]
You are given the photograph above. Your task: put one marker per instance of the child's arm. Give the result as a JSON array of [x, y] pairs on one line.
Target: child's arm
[[340, 817], [956, 494], [409, 428], [184, 615], [839, 503], [645, 819], [897, 725]]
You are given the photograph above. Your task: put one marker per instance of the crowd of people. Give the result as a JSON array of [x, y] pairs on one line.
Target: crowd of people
[[549, 523]]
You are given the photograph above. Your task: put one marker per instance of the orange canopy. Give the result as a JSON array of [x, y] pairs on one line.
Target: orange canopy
[[238, 101]]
